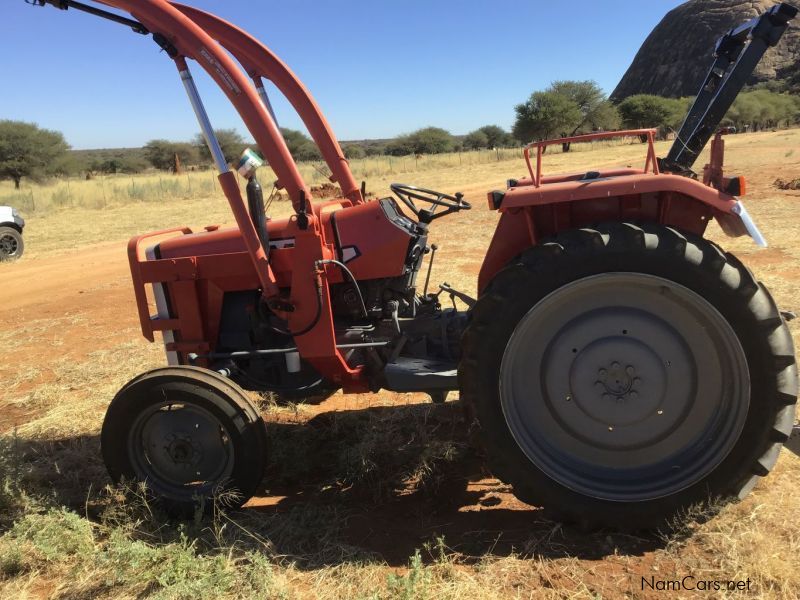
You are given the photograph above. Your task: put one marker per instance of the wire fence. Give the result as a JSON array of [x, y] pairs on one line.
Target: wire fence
[[157, 186]]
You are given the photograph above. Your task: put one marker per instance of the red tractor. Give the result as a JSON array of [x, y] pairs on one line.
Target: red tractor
[[618, 365]]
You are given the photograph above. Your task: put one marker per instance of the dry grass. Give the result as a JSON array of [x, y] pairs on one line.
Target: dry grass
[[67, 213], [337, 480]]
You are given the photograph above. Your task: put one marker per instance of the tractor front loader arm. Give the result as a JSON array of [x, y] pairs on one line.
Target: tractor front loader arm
[[259, 62], [185, 33]]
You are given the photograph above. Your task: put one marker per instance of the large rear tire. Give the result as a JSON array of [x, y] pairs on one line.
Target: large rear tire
[[623, 373], [189, 434]]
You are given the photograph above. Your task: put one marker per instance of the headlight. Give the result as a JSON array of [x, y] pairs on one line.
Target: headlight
[[15, 213]]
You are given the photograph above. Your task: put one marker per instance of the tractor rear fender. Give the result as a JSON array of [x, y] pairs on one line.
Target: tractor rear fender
[[529, 214]]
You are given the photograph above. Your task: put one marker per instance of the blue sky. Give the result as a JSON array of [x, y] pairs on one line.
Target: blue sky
[[377, 68]]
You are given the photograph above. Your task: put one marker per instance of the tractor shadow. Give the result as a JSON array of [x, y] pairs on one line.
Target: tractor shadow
[[396, 479], [374, 484]]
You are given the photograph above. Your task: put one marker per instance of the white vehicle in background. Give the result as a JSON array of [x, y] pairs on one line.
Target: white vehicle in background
[[11, 226]]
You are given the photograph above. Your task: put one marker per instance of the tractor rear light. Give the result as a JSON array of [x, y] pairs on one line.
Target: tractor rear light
[[737, 186]]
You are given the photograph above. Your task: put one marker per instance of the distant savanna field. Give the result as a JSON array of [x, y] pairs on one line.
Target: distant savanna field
[[366, 496]]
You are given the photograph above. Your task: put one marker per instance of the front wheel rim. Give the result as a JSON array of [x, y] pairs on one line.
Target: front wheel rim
[[8, 246], [624, 386], [181, 450]]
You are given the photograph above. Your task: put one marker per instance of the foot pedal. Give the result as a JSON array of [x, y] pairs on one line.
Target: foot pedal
[[466, 299]]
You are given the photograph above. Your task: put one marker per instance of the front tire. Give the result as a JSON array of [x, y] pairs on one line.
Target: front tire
[[624, 373], [189, 434], [11, 244]]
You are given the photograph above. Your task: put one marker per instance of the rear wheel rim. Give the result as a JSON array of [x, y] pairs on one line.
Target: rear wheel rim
[[8, 245], [624, 386], [181, 450]]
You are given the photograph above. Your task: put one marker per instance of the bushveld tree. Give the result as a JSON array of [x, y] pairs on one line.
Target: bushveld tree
[[230, 141], [300, 145], [400, 146], [354, 151], [374, 149], [26, 150], [762, 108], [488, 136], [497, 136], [120, 164], [597, 112], [545, 115], [564, 108], [429, 140], [646, 110], [161, 153], [475, 140]]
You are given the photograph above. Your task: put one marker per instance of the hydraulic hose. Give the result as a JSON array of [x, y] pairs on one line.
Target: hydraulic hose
[[342, 266], [316, 319]]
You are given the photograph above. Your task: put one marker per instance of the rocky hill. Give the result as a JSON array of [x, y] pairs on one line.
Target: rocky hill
[[676, 55]]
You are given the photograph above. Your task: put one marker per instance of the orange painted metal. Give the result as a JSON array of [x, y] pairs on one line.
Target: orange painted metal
[[191, 41], [258, 61], [536, 177], [136, 261], [269, 287], [549, 204], [197, 269]]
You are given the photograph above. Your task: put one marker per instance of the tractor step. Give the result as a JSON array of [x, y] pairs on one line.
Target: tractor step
[[420, 375]]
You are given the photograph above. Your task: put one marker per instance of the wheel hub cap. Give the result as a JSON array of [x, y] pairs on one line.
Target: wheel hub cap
[[8, 245], [179, 445], [624, 386]]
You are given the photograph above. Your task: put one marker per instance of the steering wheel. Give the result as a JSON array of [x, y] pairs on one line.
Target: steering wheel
[[409, 193]]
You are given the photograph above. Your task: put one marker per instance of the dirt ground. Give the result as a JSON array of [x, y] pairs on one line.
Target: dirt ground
[[75, 307]]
